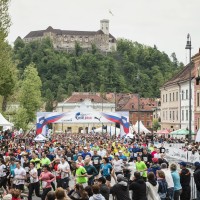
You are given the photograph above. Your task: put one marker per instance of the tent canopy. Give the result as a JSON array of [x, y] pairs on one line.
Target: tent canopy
[[110, 129], [4, 122], [142, 128], [181, 132], [163, 132]]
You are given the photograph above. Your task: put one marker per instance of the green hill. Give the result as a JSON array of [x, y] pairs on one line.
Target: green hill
[[132, 68]]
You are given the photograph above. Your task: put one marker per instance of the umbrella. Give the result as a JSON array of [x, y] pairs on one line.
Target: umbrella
[[163, 132], [181, 132]]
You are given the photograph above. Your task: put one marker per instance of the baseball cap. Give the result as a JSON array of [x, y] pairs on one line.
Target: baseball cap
[[197, 164], [120, 151], [85, 148], [155, 160], [183, 164]]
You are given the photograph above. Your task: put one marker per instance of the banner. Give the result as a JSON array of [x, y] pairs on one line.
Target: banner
[[79, 116], [173, 151]]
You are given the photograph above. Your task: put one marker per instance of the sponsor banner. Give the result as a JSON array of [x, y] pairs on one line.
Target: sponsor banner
[[83, 117]]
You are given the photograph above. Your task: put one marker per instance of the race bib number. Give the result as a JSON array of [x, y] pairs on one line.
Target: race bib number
[[141, 173], [69, 158], [44, 184], [96, 162], [145, 159], [135, 154]]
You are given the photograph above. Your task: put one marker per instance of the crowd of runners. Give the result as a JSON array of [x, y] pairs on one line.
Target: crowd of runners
[[93, 167]]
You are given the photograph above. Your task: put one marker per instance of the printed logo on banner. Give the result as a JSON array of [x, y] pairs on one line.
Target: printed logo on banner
[[82, 116]]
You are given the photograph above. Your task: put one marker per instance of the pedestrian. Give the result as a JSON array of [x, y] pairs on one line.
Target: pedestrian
[[141, 167], [197, 178], [120, 190], [185, 177], [104, 190], [169, 179], [138, 187], [176, 180], [152, 187], [96, 193], [162, 185]]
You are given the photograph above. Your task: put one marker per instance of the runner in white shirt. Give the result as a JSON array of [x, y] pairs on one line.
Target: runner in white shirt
[[64, 170], [3, 178], [117, 167], [34, 182], [19, 177]]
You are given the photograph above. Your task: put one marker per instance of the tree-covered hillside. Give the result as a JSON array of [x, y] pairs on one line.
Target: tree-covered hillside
[[132, 68]]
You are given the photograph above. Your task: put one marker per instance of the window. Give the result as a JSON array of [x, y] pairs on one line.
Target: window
[[163, 115], [186, 115], [170, 115], [177, 115], [166, 98], [163, 98], [176, 96], [170, 96], [198, 99], [182, 94], [148, 115], [173, 97], [182, 115], [86, 39], [142, 114], [186, 94], [173, 115], [148, 123], [166, 115]]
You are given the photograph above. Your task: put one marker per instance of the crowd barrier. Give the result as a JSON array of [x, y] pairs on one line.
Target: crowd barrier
[[176, 152]]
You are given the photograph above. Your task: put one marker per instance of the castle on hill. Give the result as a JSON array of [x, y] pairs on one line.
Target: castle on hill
[[66, 39]]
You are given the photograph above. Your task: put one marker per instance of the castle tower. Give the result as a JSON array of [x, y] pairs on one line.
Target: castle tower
[[105, 26]]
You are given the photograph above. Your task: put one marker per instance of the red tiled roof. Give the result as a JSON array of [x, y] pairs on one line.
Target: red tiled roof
[[181, 76], [81, 96]]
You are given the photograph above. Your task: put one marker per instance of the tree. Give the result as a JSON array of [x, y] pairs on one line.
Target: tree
[[21, 119], [156, 124], [30, 94], [4, 19], [49, 101], [8, 74]]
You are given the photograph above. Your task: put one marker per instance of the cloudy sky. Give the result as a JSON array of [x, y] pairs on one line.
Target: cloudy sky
[[164, 23]]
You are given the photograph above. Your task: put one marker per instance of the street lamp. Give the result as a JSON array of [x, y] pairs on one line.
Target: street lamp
[[189, 47]]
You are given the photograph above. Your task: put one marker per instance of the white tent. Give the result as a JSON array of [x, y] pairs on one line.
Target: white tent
[[110, 129], [198, 136], [142, 128], [4, 122], [40, 138]]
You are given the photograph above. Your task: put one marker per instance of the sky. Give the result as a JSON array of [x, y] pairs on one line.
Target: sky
[[164, 23]]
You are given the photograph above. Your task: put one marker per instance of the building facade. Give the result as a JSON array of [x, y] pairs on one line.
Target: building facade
[[196, 63], [138, 111], [175, 101], [88, 100], [66, 39]]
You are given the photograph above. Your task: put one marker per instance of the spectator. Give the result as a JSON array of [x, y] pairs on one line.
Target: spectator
[[162, 185], [60, 194], [104, 190], [120, 189], [197, 178], [50, 196], [185, 177], [152, 187], [169, 179], [138, 187], [176, 180], [96, 193]]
